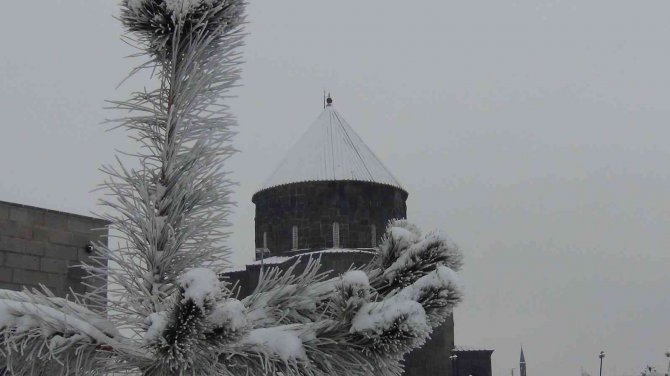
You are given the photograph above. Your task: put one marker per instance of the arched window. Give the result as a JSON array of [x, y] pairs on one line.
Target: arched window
[[336, 235], [373, 235], [294, 237]]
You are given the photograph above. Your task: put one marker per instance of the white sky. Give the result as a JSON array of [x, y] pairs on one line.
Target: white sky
[[533, 132]]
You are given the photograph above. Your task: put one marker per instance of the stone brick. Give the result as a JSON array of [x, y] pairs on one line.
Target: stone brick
[[4, 211], [80, 224], [15, 229], [34, 247], [23, 232], [5, 274], [41, 233], [53, 265], [62, 252], [19, 214], [60, 237], [9, 286], [55, 221], [21, 261], [29, 277], [81, 240], [12, 244]]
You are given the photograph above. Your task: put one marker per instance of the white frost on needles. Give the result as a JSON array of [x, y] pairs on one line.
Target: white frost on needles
[[135, 5], [200, 285], [157, 323], [440, 279], [231, 313], [403, 307], [22, 316], [282, 341], [177, 7], [183, 7], [379, 317], [355, 278], [10, 318], [403, 237], [413, 248]]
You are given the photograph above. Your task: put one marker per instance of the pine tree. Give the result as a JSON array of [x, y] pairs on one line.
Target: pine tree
[[649, 371], [167, 312]]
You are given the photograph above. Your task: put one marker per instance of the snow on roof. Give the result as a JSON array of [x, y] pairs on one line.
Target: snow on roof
[[273, 260], [470, 348], [235, 269], [339, 250], [330, 150], [276, 260]]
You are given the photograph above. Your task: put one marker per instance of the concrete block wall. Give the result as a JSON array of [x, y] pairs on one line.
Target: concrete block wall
[[41, 246]]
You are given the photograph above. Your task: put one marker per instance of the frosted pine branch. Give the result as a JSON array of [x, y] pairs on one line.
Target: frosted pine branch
[[173, 209], [167, 313]]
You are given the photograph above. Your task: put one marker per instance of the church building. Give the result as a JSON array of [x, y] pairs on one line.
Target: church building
[[331, 197]]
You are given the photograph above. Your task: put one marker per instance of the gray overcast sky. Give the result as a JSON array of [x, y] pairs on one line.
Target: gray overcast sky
[[533, 132]]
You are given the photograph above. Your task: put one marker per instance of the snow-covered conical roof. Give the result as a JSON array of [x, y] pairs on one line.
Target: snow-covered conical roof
[[330, 150]]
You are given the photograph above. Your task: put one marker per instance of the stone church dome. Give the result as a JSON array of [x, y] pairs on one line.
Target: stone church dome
[[330, 150], [330, 191]]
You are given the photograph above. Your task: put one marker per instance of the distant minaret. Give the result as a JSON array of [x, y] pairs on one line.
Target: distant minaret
[[522, 364]]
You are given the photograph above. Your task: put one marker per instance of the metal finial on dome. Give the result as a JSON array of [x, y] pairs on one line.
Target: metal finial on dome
[[329, 100]]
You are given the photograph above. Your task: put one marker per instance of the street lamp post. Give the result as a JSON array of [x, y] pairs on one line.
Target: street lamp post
[[453, 364], [601, 356]]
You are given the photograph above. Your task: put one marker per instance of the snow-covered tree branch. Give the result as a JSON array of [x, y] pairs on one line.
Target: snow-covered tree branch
[[167, 311]]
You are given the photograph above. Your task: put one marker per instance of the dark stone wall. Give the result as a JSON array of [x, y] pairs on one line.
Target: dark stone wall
[[433, 357], [41, 246], [473, 362], [314, 206]]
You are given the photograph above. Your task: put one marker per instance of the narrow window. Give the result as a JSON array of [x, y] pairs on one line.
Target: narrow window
[[373, 234], [295, 237], [265, 240], [336, 235]]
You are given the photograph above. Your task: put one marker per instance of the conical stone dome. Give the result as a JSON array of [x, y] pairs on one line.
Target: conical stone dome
[[330, 150], [330, 191]]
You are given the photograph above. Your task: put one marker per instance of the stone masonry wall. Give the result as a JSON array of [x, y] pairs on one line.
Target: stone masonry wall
[[40, 246], [473, 362], [433, 357], [314, 206]]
